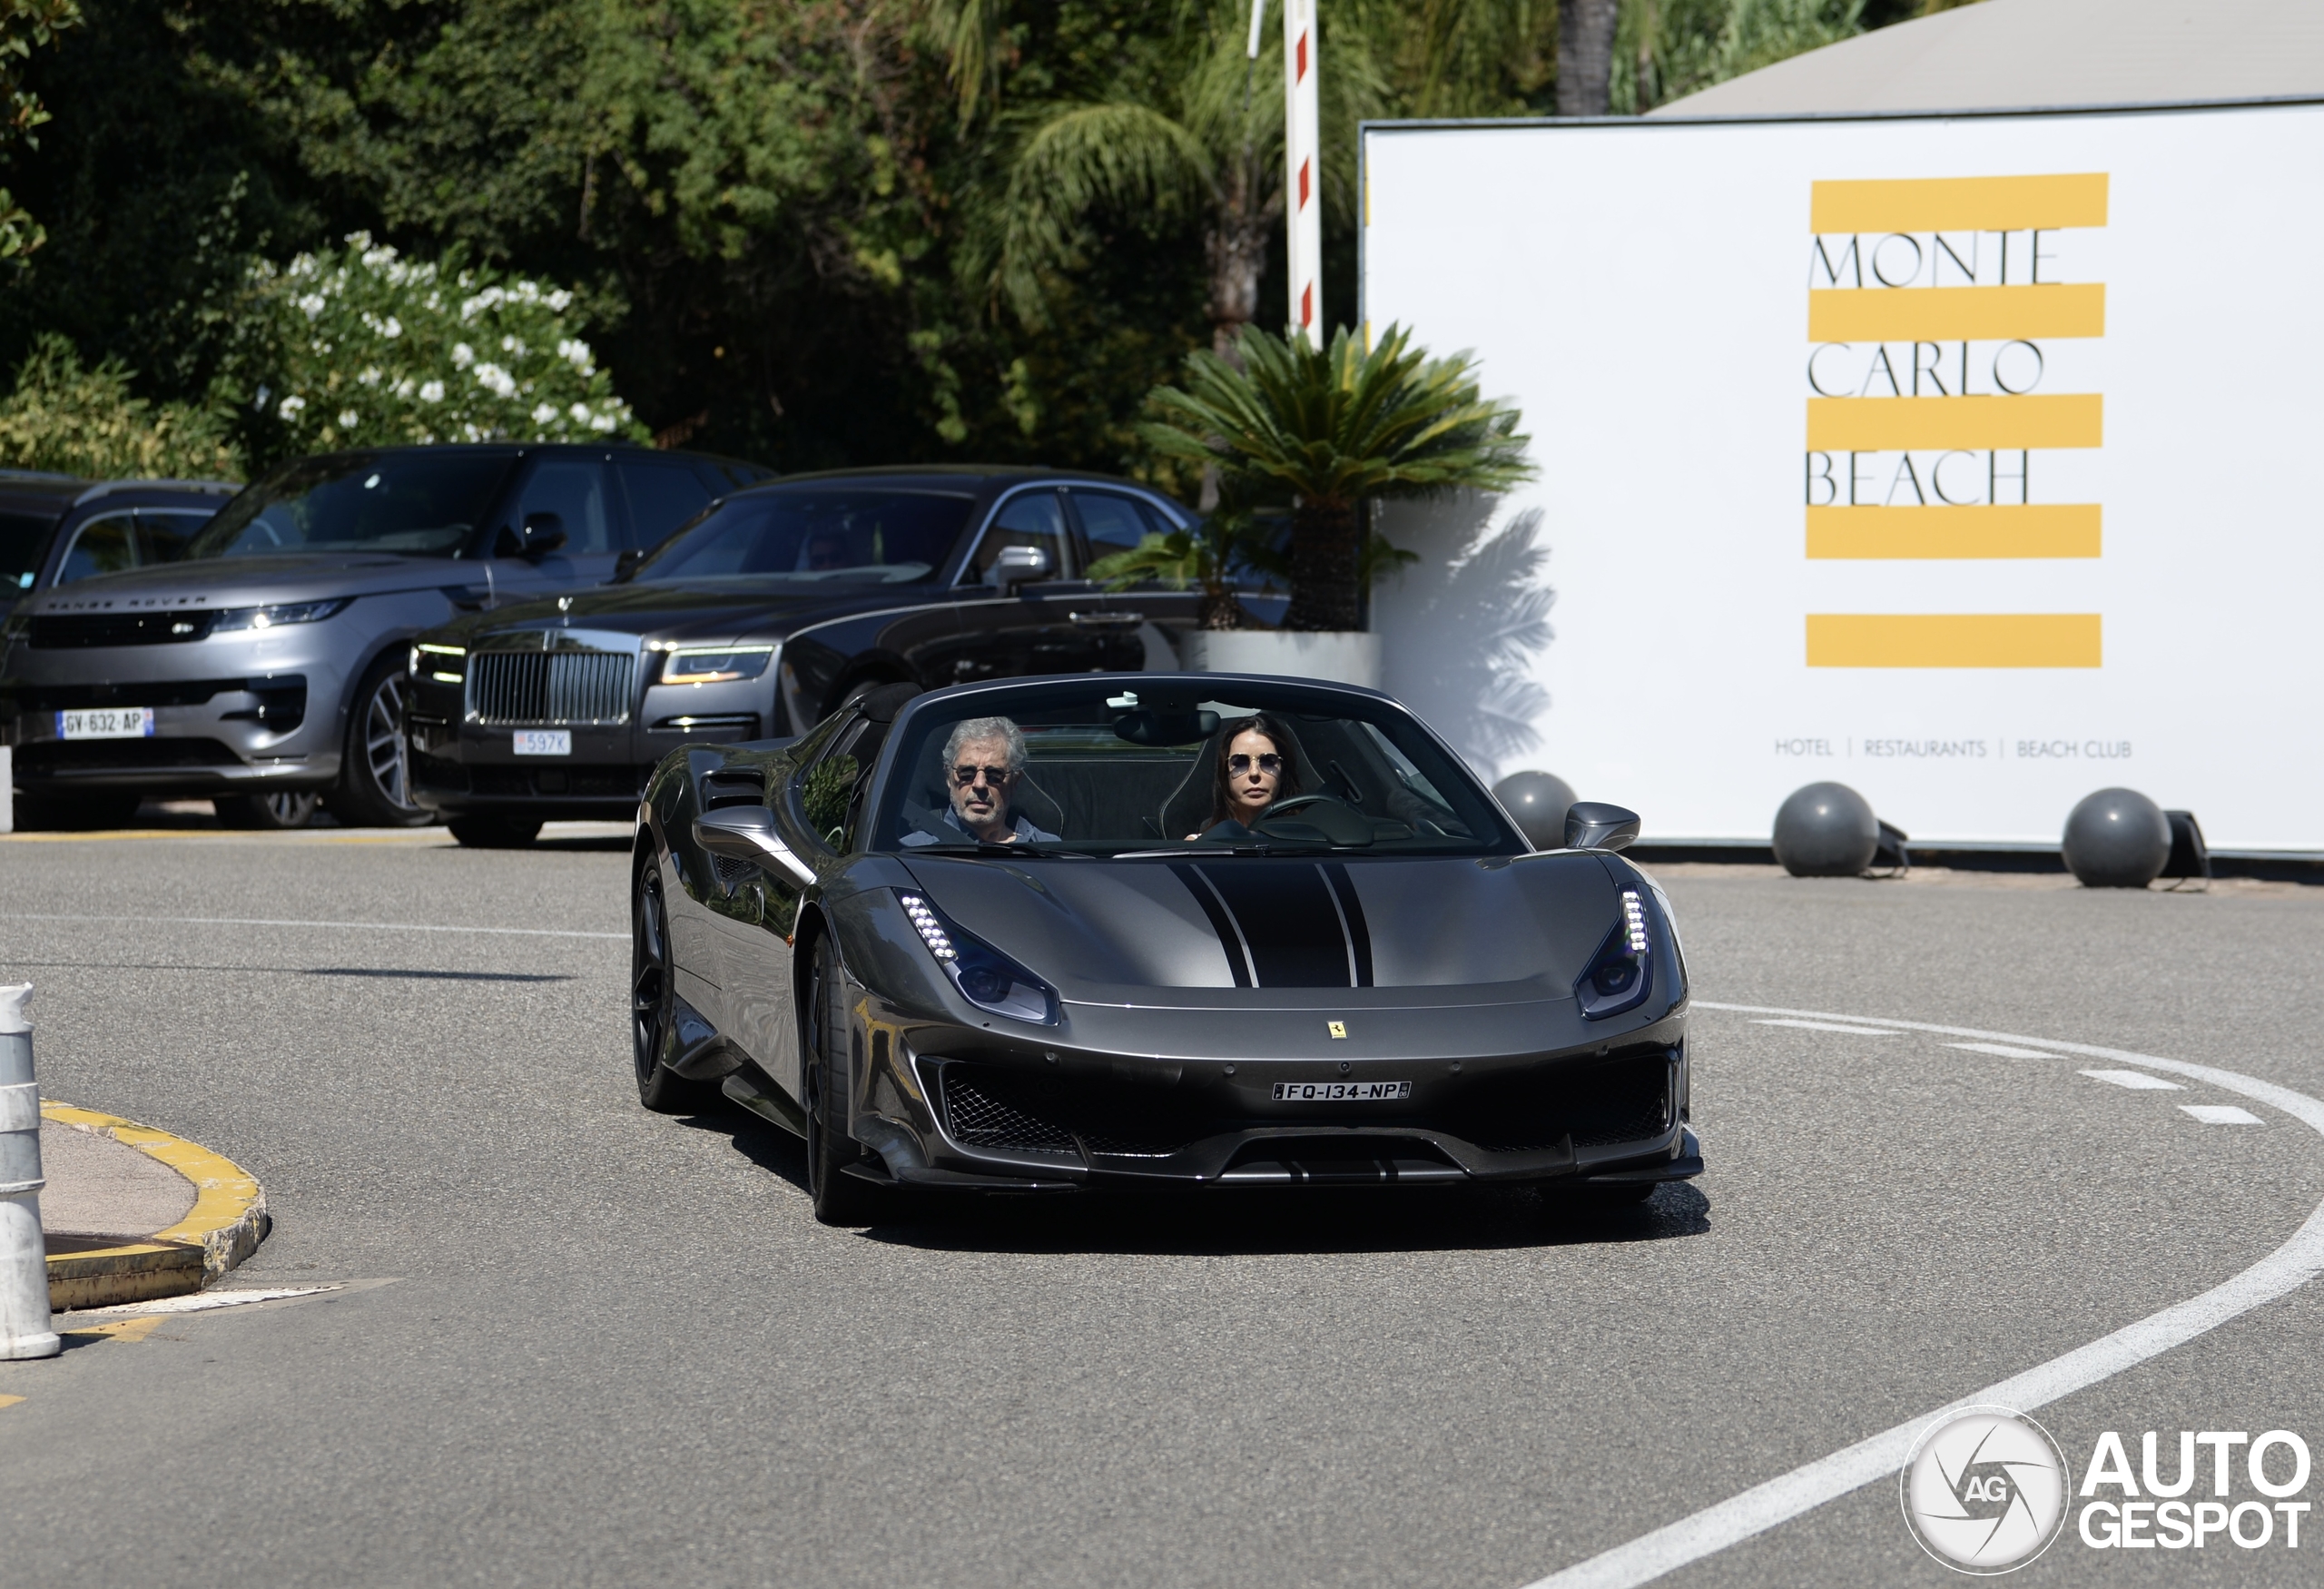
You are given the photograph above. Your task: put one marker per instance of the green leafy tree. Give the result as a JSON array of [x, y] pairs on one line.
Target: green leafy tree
[[1332, 429], [24, 26], [1220, 547], [71, 419], [357, 346]]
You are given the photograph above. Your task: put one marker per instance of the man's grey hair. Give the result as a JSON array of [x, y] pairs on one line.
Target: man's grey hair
[[987, 728]]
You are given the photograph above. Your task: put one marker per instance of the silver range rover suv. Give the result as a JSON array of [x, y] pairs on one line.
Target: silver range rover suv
[[265, 667]]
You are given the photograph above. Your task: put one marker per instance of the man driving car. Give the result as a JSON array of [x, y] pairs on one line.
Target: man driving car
[[983, 759]]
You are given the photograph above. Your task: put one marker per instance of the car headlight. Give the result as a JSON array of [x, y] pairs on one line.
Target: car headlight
[[441, 664], [268, 617], [1621, 974], [722, 665], [987, 978]]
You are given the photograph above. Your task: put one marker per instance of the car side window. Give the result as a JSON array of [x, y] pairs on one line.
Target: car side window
[[822, 791], [574, 488], [23, 536], [1112, 522], [165, 531], [1030, 518], [102, 546], [661, 496]]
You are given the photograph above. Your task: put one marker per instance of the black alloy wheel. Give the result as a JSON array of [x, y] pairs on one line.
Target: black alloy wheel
[[494, 833], [840, 1199], [374, 787], [652, 1001], [276, 809]]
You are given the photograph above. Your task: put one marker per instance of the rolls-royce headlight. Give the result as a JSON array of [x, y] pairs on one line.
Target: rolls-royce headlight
[[987, 978], [442, 664], [722, 665]]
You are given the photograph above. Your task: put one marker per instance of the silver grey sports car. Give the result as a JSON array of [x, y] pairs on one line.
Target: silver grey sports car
[[1155, 930]]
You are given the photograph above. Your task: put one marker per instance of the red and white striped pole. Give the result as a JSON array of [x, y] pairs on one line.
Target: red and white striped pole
[[1303, 194]]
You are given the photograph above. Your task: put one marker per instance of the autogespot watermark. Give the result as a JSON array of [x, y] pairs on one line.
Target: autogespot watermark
[[1985, 1490]]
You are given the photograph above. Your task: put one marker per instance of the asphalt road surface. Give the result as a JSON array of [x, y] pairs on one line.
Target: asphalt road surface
[[588, 1345]]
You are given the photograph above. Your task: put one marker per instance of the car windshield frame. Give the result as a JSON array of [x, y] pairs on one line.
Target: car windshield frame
[[1342, 740], [745, 512], [287, 488]]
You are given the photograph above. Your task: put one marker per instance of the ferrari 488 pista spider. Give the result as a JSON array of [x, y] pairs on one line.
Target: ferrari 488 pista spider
[[1150, 929]]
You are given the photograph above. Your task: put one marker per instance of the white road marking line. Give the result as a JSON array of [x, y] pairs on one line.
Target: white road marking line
[[362, 926], [2003, 1049], [2222, 1114], [1762, 1507], [2136, 1081], [202, 1301], [1830, 1026]]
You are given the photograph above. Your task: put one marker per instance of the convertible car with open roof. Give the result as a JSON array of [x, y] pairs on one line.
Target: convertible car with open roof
[[1150, 929]]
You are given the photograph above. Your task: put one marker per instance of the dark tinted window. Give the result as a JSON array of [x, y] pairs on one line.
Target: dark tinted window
[[168, 529], [574, 488], [1030, 518], [661, 496], [100, 546], [23, 536], [844, 534], [420, 503], [1115, 523]]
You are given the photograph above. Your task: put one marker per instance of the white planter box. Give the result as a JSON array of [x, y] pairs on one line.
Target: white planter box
[[1340, 656]]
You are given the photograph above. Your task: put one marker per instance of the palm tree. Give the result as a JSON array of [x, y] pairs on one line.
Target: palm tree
[[1335, 428], [1200, 137]]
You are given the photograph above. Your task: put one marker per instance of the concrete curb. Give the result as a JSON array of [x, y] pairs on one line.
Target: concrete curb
[[225, 1227]]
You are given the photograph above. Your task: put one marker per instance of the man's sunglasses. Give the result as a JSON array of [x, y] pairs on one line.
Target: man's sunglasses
[[1270, 764], [965, 775]]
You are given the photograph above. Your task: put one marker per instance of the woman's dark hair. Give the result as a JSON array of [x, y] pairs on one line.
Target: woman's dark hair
[[1221, 807]]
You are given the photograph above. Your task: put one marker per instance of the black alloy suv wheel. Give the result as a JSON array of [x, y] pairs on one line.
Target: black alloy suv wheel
[[374, 787]]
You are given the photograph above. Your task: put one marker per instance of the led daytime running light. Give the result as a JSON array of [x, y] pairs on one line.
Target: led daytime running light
[[1634, 922], [930, 930]]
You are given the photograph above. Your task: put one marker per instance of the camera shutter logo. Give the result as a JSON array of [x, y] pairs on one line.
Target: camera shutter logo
[[1985, 1490]]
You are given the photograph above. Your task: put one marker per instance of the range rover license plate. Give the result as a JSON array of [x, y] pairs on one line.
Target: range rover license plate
[[544, 742], [1341, 1091], [106, 723]]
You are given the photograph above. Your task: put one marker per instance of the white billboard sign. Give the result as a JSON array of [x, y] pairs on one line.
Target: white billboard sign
[[1966, 461]]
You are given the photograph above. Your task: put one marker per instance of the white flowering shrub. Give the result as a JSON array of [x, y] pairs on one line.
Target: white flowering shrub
[[360, 347]]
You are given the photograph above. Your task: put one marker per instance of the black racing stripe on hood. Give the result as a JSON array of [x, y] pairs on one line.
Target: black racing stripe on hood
[[1359, 936], [1289, 920], [1230, 938]]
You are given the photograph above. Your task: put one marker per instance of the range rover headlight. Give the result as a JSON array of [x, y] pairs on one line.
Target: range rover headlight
[[987, 978], [268, 617], [722, 665]]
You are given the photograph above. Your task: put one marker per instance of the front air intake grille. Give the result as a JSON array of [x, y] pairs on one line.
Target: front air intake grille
[[75, 631], [555, 688], [978, 1120], [1626, 1099]]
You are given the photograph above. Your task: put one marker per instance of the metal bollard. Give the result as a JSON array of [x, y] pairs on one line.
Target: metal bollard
[[24, 1324]]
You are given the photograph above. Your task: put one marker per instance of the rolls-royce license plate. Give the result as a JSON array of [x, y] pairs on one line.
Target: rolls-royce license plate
[[106, 723], [544, 742], [1341, 1091]]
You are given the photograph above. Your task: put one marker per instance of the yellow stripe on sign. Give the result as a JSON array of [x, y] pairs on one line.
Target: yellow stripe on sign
[[1904, 424], [2015, 639], [1969, 530], [1960, 204], [1954, 315]]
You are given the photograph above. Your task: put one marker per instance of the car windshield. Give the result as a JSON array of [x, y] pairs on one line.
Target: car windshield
[[848, 534], [1128, 766], [420, 504]]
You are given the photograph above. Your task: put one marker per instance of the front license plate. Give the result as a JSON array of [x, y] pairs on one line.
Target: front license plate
[[106, 723], [1341, 1091], [544, 742]]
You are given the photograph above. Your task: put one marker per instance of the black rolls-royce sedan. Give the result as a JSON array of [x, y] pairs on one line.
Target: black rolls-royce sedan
[[764, 615]]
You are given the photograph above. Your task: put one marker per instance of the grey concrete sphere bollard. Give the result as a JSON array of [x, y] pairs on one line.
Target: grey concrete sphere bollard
[[1539, 802], [25, 1330], [2116, 838], [1825, 830]]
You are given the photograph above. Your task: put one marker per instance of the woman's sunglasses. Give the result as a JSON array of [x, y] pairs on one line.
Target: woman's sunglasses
[[1269, 763]]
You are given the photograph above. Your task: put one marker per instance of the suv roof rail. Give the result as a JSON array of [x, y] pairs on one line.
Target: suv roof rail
[[40, 474], [107, 488]]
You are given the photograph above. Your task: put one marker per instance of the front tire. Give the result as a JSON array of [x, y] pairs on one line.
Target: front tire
[[840, 1199], [275, 811], [653, 998], [374, 787]]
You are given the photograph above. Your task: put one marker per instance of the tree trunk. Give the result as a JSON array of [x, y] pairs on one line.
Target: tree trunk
[[1237, 251], [1323, 566], [1585, 55]]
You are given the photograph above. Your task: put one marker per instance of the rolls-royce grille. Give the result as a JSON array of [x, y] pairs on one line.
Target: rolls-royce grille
[[554, 687]]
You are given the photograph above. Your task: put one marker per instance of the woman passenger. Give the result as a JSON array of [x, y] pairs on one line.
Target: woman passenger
[[1255, 770]]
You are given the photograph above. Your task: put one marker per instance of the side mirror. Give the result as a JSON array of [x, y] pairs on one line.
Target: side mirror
[[543, 534], [1018, 565], [746, 832], [1593, 825]]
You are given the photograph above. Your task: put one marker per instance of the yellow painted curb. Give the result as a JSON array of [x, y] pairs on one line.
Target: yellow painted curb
[[225, 1224]]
